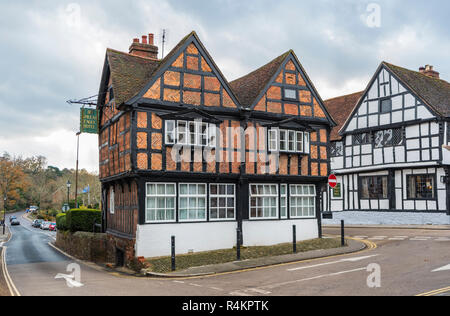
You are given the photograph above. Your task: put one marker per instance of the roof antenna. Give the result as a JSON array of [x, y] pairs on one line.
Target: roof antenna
[[163, 41]]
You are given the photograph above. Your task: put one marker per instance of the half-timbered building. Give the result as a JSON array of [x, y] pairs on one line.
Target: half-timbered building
[[390, 150], [185, 153]]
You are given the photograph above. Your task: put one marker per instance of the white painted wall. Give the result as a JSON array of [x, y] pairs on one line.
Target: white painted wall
[[388, 218], [266, 233], [446, 152], [154, 240]]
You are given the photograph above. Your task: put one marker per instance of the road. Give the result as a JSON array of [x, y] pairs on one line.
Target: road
[[404, 260]]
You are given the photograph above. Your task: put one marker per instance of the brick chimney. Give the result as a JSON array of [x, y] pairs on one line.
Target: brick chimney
[[146, 48], [428, 71]]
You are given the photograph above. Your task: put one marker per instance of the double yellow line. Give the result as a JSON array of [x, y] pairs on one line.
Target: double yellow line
[[435, 292], [11, 287]]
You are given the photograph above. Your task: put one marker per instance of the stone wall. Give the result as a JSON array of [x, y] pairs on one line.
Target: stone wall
[[86, 246]]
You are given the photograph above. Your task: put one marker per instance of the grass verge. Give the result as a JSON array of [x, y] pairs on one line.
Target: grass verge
[[163, 264]]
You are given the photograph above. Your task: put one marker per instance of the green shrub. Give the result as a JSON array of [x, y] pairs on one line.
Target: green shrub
[[61, 221], [78, 220]]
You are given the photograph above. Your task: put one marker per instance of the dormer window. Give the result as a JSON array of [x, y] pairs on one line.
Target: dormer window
[[193, 133], [289, 141]]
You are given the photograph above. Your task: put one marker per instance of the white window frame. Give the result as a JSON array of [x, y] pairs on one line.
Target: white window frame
[[184, 138], [301, 137], [170, 132], [263, 195], [302, 195], [226, 196], [307, 142], [165, 196], [285, 197], [196, 196], [285, 146], [185, 133], [273, 139], [112, 201]]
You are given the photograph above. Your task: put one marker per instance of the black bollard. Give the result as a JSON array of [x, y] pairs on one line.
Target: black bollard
[[294, 239], [173, 254], [342, 234]]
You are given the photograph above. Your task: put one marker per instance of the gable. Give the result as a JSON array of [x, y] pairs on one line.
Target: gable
[[190, 77], [386, 101], [290, 93]]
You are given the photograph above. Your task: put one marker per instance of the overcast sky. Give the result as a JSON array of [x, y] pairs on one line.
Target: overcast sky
[[52, 51]]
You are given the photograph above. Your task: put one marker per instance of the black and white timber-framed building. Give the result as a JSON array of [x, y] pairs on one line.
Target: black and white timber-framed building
[[390, 150]]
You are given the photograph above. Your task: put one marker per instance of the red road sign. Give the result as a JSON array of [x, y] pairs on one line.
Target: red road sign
[[332, 181]]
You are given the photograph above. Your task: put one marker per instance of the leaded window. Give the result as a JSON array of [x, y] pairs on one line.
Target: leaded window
[[375, 187], [361, 139], [389, 137], [420, 187], [337, 149]]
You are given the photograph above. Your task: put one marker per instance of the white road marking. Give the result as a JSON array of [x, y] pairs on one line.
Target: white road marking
[[332, 262], [193, 284], [238, 293], [444, 268], [312, 278], [178, 282], [397, 238], [361, 237], [259, 291], [215, 288], [443, 239], [418, 239]]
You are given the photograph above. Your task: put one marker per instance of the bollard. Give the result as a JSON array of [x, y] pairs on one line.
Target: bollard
[[294, 239], [238, 244], [173, 254], [342, 234]]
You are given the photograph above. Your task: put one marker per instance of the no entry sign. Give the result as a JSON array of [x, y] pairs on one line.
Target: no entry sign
[[332, 181]]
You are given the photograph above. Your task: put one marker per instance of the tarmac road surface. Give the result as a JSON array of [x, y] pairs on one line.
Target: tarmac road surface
[[404, 262]]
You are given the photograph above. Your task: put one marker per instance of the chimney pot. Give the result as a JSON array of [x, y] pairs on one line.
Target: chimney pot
[[429, 71], [146, 48]]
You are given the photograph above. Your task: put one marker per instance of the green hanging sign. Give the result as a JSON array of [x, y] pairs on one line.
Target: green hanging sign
[[88, 121]]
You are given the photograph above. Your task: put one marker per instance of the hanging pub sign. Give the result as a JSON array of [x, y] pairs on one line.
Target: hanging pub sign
[[88, 121]]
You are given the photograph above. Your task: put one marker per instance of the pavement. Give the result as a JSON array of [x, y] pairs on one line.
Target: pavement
[[400, 262], [352, 246]]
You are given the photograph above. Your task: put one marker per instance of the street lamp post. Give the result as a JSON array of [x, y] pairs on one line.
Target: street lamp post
[[68, 193]]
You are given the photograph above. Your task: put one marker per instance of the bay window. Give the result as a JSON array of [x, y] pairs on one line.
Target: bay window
[[375, 187], [193, 133], [289, 141]]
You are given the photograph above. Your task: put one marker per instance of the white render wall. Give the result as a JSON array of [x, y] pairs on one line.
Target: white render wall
[[445, 152], [266, 233], [388, 218], [155, 240]]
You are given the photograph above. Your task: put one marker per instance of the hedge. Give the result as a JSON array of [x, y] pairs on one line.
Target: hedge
[[82, 220], [61, 221]]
